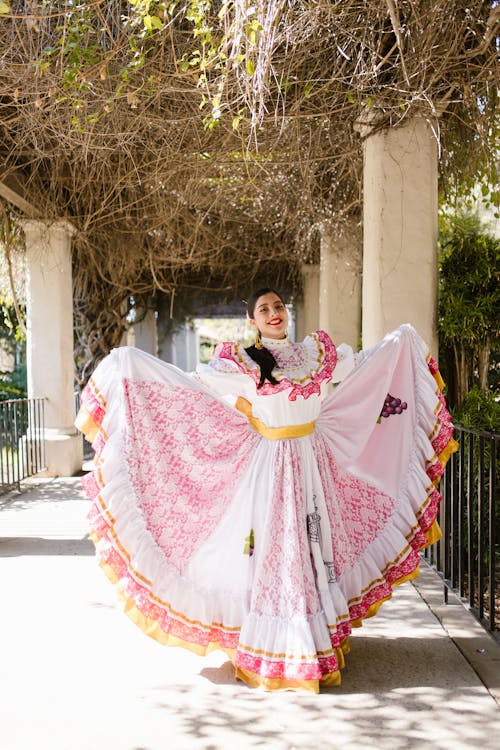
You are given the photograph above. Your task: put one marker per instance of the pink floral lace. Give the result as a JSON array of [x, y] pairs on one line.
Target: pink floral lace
[[282, 669], [94, 402], [320, 365], [186, 452], [181, 464], [357, 511], [284, 582], [172, 623], [433, 366]]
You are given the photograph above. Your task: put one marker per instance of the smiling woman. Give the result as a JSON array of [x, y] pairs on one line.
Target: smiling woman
[[267, 313], [252, 508]]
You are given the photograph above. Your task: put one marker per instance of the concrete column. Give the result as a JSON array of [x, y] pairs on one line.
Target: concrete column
[[50, 366], [192, 348], [400, 232], [182, 349], [307, 308], [340, 282], [144, 334], [166, 351]]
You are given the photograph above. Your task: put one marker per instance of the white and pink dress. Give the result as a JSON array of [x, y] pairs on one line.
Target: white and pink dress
[[266, 522]]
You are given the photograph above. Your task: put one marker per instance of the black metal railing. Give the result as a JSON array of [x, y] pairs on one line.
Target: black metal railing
[[22, 451], [468, 556]]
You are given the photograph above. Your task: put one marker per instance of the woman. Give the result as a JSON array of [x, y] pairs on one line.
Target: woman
[[255, 509]]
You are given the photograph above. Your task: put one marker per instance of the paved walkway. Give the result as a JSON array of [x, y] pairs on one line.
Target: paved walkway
[[76, 674]]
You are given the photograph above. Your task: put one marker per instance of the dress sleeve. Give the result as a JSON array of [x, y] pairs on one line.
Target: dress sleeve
[[223, 377], [346, 361]]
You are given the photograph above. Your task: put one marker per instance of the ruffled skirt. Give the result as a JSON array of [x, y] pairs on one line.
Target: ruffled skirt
[[271, 550]]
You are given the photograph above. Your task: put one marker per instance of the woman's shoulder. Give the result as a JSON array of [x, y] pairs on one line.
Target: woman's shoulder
[[231, 355]]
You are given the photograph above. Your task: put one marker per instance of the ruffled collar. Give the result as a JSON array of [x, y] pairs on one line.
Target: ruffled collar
[[275, 343], [301, 368]]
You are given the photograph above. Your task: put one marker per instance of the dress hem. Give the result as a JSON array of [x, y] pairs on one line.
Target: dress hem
[[166, 624]]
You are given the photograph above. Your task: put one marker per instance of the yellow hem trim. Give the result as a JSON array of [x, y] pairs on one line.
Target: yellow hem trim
[[410, 577], [97, 393], [439, 380], [437, 376], [444, 456], [371, 612], [374, 608], [255, 680], [273, 433], [85, 423], [433, 534], [331, 680], [150, 627]]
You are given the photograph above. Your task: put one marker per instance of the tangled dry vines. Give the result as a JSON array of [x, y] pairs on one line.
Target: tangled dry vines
[[197, 144]]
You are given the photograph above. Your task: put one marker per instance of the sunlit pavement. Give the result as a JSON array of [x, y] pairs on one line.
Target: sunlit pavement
[[76, 674]]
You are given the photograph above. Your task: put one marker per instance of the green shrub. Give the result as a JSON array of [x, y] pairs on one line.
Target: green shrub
[[480, 410]]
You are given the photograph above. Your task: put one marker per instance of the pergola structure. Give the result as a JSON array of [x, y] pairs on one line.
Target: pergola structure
[[165, 148]]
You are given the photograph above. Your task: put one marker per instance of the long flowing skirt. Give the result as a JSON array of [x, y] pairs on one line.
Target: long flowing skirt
[[271, 550]]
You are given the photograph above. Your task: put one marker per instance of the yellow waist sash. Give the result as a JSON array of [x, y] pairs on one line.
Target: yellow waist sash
[[273, 433]]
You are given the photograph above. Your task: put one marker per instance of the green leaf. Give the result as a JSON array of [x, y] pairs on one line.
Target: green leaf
[[4, 8], [250, 67], [156, 23]]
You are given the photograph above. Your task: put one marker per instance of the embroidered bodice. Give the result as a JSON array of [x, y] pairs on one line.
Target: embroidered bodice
[[303, 371]]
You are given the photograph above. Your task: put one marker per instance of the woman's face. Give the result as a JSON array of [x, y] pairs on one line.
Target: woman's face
[[270, 316]]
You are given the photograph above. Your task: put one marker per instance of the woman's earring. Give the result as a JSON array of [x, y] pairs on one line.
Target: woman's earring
[[258, 341]]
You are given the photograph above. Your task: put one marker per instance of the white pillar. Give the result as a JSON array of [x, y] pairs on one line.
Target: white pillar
[[50, 365], [184, 348], [180, 344], [307, 308], [166, 349], [192, 348], [400, 231], [144, 334], [340, 282]]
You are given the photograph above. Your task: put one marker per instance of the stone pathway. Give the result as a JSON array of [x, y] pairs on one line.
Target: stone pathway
[[76, 674]]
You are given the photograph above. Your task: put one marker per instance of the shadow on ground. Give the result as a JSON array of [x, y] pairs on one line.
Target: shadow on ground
[[47, 490], [15, 546]]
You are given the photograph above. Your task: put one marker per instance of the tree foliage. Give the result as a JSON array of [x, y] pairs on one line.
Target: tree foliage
[[194, 144], [469, 304]]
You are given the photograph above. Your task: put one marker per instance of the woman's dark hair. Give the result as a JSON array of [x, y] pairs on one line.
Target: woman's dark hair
[[263, 357]]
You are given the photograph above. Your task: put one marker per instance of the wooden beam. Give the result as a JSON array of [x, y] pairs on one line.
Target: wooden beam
[[12, 196]]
